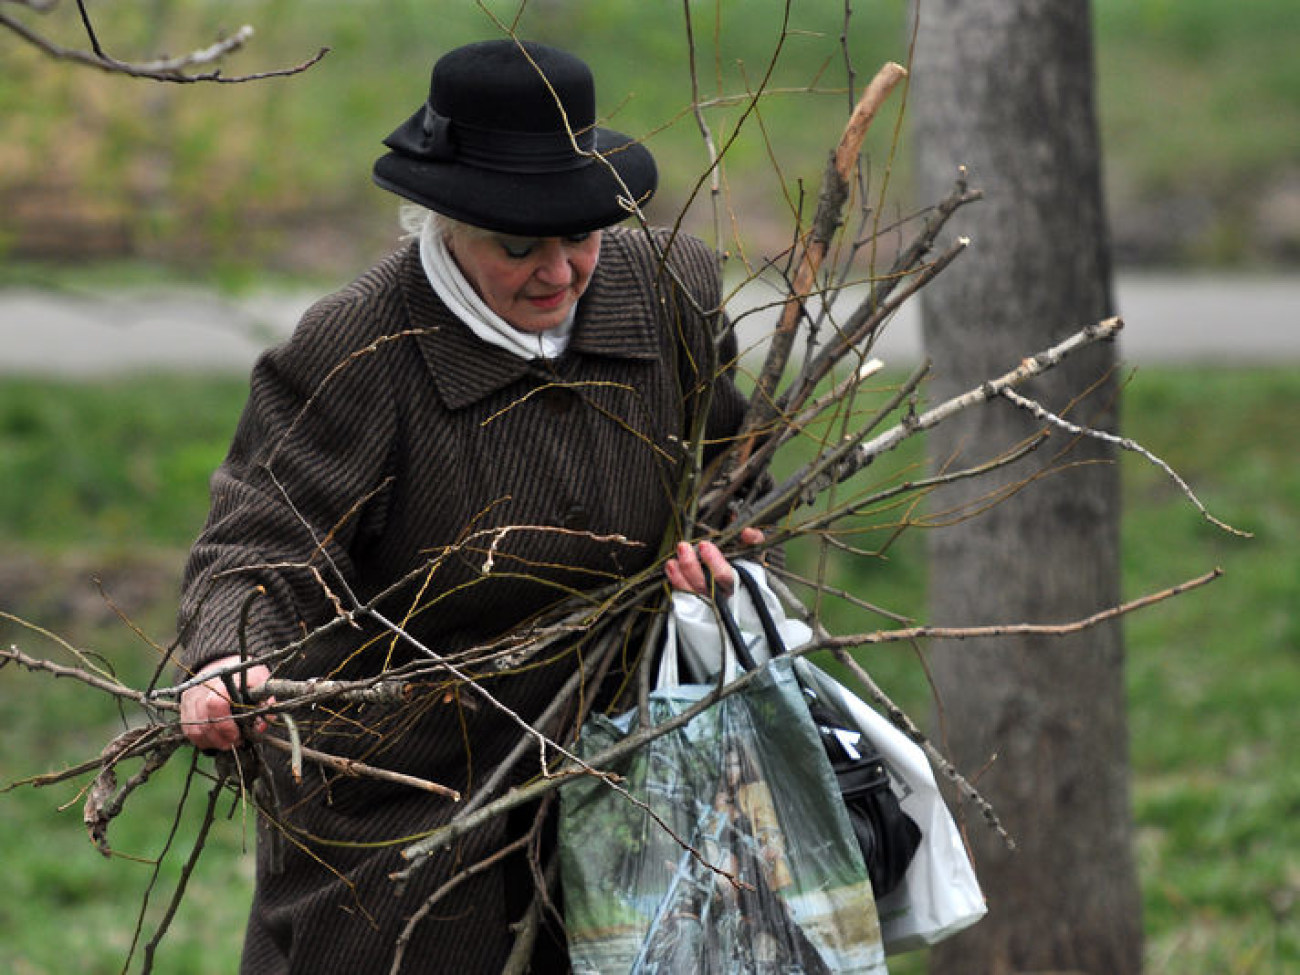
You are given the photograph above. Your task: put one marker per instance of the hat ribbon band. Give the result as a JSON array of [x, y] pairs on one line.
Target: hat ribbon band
[[504, 150]]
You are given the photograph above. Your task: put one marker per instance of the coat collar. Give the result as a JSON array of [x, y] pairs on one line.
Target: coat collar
[[616, 319]]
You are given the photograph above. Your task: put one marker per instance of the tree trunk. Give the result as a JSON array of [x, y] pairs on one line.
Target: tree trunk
[[1004, 88]]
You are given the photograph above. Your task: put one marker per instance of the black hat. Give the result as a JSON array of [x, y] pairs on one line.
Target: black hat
[[494, 145]]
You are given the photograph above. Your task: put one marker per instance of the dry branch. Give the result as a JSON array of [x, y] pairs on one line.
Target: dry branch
[[830, 207], [1124, 443], [909, 269], [179, 70], [103, 684], [805, 486], [355, 769]]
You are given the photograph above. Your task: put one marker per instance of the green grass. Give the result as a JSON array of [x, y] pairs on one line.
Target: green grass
[[111, 465], [1214, 677], [1214, 81], [109, 479]]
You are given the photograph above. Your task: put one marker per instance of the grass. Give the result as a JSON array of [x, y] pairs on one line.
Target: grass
[[105, 486], [103, 454], [1215, 79], [1215, 678], [109, 479]]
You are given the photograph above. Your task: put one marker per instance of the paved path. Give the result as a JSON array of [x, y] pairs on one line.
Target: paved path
[[1240, 320]]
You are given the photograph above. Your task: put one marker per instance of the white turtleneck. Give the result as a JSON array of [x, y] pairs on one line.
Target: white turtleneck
[[450, 284]]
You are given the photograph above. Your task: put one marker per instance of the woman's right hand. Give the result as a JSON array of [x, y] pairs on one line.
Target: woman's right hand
[[206, 717], [699, 568]]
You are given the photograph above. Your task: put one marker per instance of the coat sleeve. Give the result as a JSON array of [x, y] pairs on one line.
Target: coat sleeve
[[302, 482]]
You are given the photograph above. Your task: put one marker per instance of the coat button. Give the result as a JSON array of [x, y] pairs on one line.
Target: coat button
[[577, 518]]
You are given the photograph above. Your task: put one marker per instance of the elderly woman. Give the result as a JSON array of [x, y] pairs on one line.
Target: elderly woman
[[524, 364]]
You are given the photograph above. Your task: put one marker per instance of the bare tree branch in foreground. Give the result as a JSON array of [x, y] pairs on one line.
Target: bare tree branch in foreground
[[198, 65]]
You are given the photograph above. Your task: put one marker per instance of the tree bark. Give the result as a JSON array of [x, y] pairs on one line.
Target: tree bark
[[1004, 88]]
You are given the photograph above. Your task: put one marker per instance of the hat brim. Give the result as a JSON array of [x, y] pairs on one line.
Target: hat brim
[[554, 204]]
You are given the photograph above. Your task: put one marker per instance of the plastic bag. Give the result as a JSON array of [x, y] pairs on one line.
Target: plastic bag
[[697, 634], [939, 894], [886, 835], [769, 879]]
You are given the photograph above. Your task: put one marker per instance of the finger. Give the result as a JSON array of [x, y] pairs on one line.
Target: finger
[[675, 577], [716, 563], [751, 536], [206, 720], [223, 728], [206, 737], [691, 572], [193, 711]]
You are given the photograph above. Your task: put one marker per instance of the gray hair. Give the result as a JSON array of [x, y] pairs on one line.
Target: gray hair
[[414, 218]]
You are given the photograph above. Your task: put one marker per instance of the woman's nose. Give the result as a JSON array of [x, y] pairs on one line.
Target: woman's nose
[[553, 265]]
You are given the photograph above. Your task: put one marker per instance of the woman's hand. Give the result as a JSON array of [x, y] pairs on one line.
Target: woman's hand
[[690, 569], [205, 708]]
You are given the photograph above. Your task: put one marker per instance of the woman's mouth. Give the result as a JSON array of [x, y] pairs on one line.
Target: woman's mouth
[[547, 302]]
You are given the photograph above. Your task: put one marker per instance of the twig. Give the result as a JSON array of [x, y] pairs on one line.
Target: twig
[[908, 634], [1124, 443], [181, 803], [187, 871], [807, 484], [167, 69], [105, 800], [904, 723], [866, 320], [489, 861], [860, 329], [520, 958], [348, 766], [75, 673], [830, 205], [905, 264], [697, 109]]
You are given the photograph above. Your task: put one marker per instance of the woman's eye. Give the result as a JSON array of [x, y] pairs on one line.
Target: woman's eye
[[517, 247]]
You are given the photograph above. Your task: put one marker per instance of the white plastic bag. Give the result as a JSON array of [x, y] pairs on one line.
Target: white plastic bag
[[696, 634], [939, 895]]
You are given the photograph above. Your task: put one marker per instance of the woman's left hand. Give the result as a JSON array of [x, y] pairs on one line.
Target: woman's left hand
[[690, 569]]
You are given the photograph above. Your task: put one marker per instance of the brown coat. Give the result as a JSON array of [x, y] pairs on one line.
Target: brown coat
[[382, 439]]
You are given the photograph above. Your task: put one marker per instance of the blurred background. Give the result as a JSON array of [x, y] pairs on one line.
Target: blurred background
[[154, 236], [1199, 104]]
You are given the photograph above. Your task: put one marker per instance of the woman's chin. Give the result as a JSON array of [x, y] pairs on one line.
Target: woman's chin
[[534, 321]]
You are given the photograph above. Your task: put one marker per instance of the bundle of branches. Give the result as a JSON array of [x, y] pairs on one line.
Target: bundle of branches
[[793, 394]]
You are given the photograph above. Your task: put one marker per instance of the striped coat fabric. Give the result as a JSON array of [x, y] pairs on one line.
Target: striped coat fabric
[[382, 454]]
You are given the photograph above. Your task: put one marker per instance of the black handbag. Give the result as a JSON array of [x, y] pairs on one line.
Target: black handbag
[[887, 836]]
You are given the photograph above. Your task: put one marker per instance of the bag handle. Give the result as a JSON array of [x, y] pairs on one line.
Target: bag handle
[[737, 639], [775, 644]]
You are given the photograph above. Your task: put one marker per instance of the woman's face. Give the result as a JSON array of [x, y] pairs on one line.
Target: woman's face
[[531, 282]]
